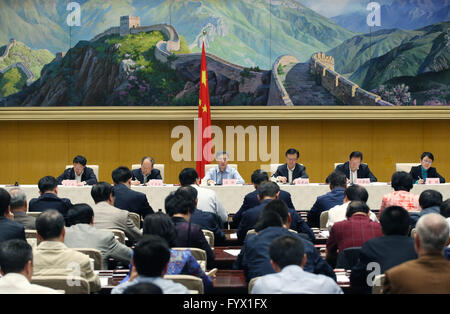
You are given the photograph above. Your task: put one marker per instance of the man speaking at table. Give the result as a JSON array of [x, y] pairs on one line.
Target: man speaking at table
[[291, 170], [84, 175], [222, 171], [354, 169]]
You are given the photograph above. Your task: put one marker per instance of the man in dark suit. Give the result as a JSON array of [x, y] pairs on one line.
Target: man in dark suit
[[48, 189], [251, 199], [393, 248], [145, 173], [354, 169], [337, 181], [424, 170], [9, 229], [125, 197], [18, 206], [84, 175], [291, 170], [268, 192], [254, 257]]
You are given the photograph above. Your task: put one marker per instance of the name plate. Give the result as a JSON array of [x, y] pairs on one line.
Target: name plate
[[155, 183], [433, 181], [363, 181], [69, 182], [229, 182], [301, 181]]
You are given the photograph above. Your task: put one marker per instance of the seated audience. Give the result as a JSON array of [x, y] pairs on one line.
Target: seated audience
[[125, 197], [430, 273], [402, 183], [9, 229], [48, 189], [143, 288], [354, 169], [222, 171], [391, 249], [430, 202], [53, 258], [353, 232], [337, 182], [251, 199], [150, 261], [109, 217], [274, 222], [424, 170], [291, 170], [267, 192], [179, 206], [18, 206], [80, 233], [84, 175], [146, 173], [287, 256], [207, 199], [352, 193], [16, 268]]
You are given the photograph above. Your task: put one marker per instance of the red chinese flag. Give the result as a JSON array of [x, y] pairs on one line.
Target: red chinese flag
[[204, 145]]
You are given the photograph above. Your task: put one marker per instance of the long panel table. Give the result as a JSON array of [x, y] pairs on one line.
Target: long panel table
[[303, 196]]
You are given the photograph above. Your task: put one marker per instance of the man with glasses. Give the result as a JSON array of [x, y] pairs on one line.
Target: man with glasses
[[291, 170], [222, 171]]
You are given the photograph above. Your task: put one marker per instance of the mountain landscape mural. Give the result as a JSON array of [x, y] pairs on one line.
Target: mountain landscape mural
[[260, 52]]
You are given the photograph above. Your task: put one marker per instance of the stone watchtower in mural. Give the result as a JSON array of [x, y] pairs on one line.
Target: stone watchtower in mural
[[127, 23]]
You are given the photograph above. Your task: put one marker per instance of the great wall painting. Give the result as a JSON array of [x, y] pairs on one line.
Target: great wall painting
[[260, 53]]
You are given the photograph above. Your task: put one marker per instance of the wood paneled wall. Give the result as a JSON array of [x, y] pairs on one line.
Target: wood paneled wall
[[33, 149]]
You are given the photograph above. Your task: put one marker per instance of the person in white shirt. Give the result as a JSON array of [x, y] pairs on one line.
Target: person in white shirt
[[352, 193], [222, 171], [288, 258], [16, 263]]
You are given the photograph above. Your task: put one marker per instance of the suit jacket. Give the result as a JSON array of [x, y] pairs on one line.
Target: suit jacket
[[250, 217], [209, 221], [192, 238], [50, 201], [254, 257], [362, 172], [11, 230], [387, 251], [28, 222], [251, 200], [299, 172], [136, 174], [110, 217], [324, 203], [131, 201], [428, 274], [53, 258], [88, 176], [416, 172], [86, 236]]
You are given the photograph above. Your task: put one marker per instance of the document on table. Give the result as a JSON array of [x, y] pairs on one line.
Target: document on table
[[325, 233], [233, 252], [103, 279], [342, 278], [233, 235]]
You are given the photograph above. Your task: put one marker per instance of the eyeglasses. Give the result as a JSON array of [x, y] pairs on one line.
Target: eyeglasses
[[427, 161]]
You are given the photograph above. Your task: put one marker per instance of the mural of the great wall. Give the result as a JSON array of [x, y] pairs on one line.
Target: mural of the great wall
[[259, 53]]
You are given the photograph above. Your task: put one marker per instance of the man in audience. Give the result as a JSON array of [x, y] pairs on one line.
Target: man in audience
[[354, 169], [16, 268], [254, 257], [251, 199], [337, 182], [150, 260], [146, 172], [430, 202], [402, 183], [445, 212], [125, 197], [267, 192], [84, 175], [352, 193], [48, 189], [18, 206], [82, 234], [180, 206], [430, 273], [109, 217], [53, 258], [207, 199], [9, 229], [392, 249], [291, 170], [287, 256], [353, 232], [222, 171]]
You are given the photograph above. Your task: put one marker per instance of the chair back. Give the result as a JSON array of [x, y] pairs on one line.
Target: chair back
[[209, 235], [93, 167], [405, 166], [191, 282], [118, 234], [31, 237], [198, 254], [348, 258], [95, 254], [378, 284], [160, 167], [251, 284], [71, 285], [135, 218], [323, 219], [34, 214]]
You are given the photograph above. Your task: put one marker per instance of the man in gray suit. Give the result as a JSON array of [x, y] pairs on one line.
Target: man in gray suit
[[109, 217], [82, 234], [18, 206]]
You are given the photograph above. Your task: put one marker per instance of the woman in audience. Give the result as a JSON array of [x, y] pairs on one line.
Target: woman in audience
[[424, 170], [402, 183]]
